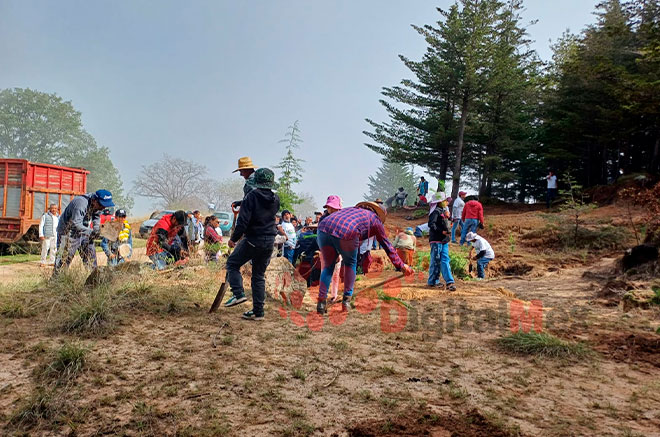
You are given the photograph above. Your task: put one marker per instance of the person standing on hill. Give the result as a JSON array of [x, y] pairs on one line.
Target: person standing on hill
[[457, 214], [77, 228], [439, 236], [48, 234], [340, 233], [552, 187], [400, 197], [290, 232], [473, 218], [246, 170], [423, 187], [253, 240]]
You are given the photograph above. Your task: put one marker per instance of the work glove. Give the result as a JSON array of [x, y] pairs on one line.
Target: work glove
[[481, 225]]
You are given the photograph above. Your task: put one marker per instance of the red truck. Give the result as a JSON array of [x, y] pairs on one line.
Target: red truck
[[26, 190]]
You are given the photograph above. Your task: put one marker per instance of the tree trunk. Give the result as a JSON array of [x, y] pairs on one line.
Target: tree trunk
[[456, 177], [655, 160]]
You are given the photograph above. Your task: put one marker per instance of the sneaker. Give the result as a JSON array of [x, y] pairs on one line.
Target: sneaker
[[250, 315], [451, 287], [321, 307], [233, 301], [346, 303]]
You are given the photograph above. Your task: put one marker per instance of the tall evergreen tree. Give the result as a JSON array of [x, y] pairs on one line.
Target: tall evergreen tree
[[387, 180], [291, 169]]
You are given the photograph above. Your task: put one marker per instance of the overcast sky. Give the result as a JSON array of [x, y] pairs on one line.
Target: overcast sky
[[211, 81]]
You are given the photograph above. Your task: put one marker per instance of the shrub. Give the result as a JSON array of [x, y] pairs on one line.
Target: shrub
[[458, 262]]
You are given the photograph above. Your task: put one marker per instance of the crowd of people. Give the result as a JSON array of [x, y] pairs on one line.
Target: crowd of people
[[333, 246]]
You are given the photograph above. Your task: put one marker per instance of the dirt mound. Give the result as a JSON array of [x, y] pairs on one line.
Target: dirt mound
[[471, 424], [515, 268], [377, 264], [615, 289], [630, 348], [282, 280]]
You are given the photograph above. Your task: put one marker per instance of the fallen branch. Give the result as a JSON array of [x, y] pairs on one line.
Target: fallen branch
[[332, 380], [216, 334]]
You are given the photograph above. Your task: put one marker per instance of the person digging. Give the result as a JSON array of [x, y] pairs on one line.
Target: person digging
[[340, 233], [485, 253], [256, 226]]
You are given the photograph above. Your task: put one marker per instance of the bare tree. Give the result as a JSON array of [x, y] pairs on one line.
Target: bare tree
[[221, 193], [174, 181]]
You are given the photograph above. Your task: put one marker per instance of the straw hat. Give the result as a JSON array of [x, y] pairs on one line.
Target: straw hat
[[124, 250], [374, 207], [245, 163]]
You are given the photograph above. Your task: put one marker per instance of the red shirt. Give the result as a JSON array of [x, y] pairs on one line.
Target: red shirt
[[473, 210], [153, 246]]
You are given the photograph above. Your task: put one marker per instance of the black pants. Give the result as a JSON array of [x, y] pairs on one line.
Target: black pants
[[258, 251]]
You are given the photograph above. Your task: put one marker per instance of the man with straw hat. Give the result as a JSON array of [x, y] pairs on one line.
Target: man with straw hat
[[246, 170], [340, 233], [255, 228]]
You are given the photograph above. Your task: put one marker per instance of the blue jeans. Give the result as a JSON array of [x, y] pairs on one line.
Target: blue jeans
[[259, 251], [439, 264], [161, 260], [331, 247], [68, 245], [482, 263], [287, 252], [552, 194], [454, 227], [469, 225]]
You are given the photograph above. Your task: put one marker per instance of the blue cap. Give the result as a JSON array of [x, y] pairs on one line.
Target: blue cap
[[105, 198]]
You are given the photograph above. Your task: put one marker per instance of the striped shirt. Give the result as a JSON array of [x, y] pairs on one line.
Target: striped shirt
[[359, 224]]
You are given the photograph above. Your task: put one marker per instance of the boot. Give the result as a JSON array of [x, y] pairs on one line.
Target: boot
[[346, 303], [321, 307]]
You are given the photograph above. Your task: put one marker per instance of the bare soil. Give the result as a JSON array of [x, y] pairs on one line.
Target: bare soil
[[431, 368]]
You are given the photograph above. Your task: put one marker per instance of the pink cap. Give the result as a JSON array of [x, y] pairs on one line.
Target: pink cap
[[461, 193], [333, 202]]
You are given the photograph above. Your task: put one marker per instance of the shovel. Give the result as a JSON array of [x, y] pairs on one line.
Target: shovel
[[223, 287]]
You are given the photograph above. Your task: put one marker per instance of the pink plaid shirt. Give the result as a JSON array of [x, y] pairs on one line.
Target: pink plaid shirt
[[359, 224]]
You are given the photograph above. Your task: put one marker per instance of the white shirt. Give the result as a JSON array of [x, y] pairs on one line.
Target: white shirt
[[367, 245], [290, 232], [480, 244], [552, 181], [457, 208]]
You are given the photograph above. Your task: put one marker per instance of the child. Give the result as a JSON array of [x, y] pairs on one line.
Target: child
[[439, 236], [485, 253]]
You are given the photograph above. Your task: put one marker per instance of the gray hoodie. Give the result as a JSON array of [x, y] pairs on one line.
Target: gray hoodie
[[77, 217]]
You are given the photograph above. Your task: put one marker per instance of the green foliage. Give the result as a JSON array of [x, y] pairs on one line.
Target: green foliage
[[387, 180], [420, 213], [458, 262], [44, 128], [541, 344], [291, 169], [655, 300], [41, 405]]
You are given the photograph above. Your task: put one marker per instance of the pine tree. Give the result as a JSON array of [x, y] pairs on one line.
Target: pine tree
[[387, 180], [292, 170]]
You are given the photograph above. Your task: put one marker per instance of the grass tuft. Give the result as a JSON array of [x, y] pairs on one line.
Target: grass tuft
[[67, 363], [541, 344], [39, 406], [91, 314]]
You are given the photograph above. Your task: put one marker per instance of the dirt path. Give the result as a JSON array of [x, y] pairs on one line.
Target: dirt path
[[438, 373]]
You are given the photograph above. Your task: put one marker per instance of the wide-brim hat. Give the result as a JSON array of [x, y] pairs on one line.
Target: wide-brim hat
[[245, 163], [124, 250], [379, 201], [373, 206], [264, 178]]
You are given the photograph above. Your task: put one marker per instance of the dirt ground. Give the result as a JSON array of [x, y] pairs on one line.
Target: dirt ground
[[428, 368]]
